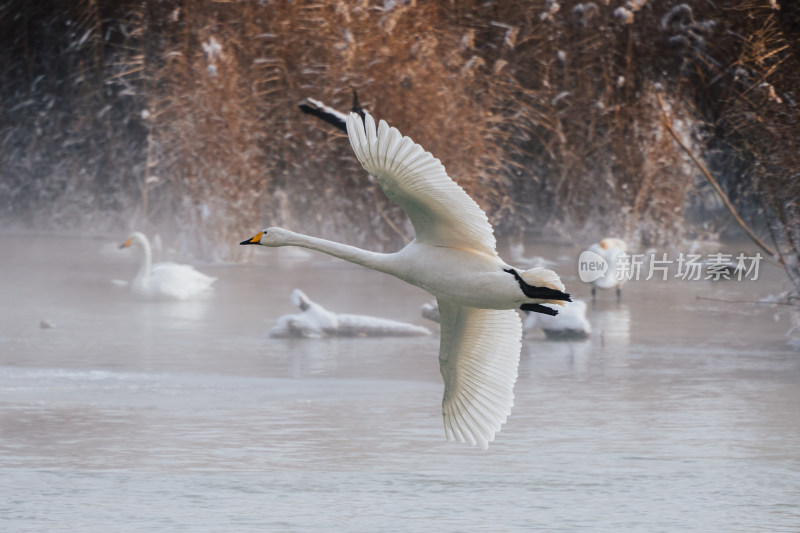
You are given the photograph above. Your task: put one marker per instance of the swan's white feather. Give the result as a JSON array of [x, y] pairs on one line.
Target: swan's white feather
[[478, 358], [440, 210]]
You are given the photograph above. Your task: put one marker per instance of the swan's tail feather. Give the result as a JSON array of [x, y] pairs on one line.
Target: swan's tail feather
[[543, 277]]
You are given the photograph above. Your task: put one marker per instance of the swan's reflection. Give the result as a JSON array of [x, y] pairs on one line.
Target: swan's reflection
[[612, 335]]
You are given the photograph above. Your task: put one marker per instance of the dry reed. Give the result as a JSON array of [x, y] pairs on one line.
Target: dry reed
[[182, 116]]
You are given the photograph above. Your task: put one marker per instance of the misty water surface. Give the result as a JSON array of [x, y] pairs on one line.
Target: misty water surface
[[677, 414]]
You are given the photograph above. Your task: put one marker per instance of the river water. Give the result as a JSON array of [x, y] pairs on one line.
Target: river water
[[678, 414]]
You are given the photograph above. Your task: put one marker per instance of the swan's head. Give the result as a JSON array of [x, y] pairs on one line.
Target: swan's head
[[299, 299], [609, 243], [134, 238], [270, 237]]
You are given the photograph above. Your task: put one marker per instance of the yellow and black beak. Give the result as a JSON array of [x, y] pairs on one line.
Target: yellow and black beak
[[256, 239], [125, 244]]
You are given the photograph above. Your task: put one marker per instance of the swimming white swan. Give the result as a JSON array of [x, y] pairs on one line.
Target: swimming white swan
[[315, 321], [609, 249], [454, 258], [165, 280]]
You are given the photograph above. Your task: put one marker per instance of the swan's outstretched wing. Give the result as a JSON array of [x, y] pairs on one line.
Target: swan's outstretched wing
[[478, 357], [440, 210]]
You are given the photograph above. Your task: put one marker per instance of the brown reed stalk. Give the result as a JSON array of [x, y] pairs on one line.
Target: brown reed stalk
[[546, 112]]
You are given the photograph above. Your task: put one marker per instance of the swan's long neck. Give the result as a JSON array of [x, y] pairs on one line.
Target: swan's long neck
[[144, 267], [373, 260]]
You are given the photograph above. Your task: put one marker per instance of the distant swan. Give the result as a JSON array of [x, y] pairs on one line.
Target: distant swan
[[316, 321], [165, 280], [454, 258], [609, 249]]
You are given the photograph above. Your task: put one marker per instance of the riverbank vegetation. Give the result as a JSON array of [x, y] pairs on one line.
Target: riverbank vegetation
[[181, 116]]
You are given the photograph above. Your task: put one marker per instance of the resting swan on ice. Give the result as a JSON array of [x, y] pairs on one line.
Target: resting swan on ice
[[454, 258], [165, 280], [570, 324], [316, 321]]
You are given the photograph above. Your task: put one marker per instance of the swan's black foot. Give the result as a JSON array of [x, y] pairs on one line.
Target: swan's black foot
[[330, 115], [539, 308], [540, 293], [357, 107]]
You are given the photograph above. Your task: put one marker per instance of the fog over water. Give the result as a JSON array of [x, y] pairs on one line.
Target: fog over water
[[677, 414]]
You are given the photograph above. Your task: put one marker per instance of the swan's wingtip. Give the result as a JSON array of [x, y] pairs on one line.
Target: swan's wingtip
[[356, 118], [369, 125]]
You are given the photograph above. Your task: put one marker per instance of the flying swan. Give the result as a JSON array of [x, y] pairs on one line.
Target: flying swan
[[164, 280], [453, 257]]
